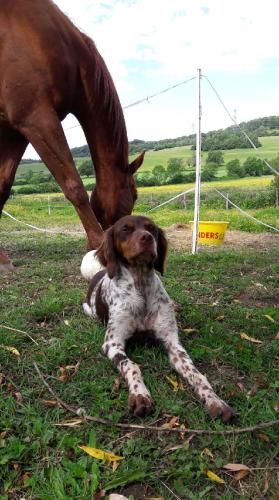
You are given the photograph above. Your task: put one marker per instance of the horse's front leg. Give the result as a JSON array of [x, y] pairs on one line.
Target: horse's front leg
[[43, 129], [12, 147]]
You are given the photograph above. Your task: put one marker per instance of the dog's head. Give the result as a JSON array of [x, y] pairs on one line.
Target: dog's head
[[134, 241]]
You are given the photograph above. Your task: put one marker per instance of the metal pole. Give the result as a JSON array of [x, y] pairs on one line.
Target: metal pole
[[198, 172]]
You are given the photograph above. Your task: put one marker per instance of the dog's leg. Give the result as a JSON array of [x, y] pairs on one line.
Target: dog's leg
[[166, 330], [140, 402]]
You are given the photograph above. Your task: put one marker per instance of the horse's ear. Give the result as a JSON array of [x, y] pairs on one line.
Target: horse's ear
[[136, 163]]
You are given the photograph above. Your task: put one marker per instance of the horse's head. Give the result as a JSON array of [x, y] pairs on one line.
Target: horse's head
[[112, 201]]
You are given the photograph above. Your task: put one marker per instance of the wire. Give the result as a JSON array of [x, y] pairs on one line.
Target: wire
[[171, 199], [147, 98], [38, 228], [241, 129], [245, 213], [158, 93]]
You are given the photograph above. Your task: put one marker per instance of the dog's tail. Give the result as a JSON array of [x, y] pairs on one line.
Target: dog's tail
[[90, 265]]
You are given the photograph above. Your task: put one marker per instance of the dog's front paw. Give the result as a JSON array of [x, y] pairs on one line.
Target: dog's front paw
[[222, 410], [140, 405]]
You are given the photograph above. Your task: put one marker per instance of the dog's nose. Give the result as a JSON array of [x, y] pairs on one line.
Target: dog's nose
[[146, 237]]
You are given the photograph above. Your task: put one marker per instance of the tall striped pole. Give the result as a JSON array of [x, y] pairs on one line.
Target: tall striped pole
[[198, 172]]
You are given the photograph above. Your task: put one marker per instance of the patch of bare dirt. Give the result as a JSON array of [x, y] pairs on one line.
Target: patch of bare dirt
[[258, 298], [180, 238]]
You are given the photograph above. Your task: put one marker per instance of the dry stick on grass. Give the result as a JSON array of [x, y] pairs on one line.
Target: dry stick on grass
[[19, 331], [89, 418]]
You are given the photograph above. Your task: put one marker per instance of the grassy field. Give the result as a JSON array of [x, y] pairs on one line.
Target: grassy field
[[269, 149], [221, 295]]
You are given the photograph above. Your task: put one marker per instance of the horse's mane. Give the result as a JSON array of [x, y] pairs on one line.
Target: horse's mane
[[104, 91]]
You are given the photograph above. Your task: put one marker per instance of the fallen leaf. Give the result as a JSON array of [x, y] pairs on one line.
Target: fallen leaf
[[67, 372], [207, 452], [182, 434], [100, 454], [240, 386], [3, 434], [275, 406], [25, 476], [63, 377], [115, 465], [190, 330], [253, 390], [241, 475], [70, 423], [277, 336], [173, 422], [100, 494], [18, 396], [266, 486], [176, 385], [263, 436], [66, 322], [244, 336], [11, 349], [211, 475], [116, 385], [49, 402], [73, 368], [236, 467], [220, 318], [153, 498], [269, 318]]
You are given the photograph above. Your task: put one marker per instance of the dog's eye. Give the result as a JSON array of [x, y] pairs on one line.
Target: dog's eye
[[127, 229], [149, 228]]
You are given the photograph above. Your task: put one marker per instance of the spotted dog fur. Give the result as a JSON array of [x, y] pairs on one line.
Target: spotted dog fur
[[129, 297]]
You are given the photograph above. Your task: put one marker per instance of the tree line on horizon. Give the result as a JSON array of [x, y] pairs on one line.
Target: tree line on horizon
[[224, 139]]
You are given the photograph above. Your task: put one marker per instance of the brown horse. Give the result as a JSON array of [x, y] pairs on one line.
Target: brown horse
[[48, 68]]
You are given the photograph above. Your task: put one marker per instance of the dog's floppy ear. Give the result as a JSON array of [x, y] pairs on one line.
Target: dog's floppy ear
[[107, 255], [162, 246]]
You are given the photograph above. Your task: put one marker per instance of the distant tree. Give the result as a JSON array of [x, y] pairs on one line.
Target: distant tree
[[274, 163], [234, 169], [275, 182], [39, 177], [86, 168], [209, 172], [253, 166], [146, 179], [174, 165], [28, 176], [160, 174], [216, 157]]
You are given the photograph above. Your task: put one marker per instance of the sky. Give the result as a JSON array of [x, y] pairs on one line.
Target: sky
[[149, 45]]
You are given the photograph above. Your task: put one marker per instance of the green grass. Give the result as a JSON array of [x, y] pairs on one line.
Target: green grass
[[269, 149], [246, 182], [219, 295]]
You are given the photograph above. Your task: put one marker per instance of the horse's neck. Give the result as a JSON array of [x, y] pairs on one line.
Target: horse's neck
[[107, 153]]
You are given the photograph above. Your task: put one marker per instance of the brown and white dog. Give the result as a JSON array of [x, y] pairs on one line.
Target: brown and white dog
[[129, 297]]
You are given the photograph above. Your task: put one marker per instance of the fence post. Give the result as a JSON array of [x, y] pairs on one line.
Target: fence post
[[227, 202], [276, 197], [48, 204], [184, 201]]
